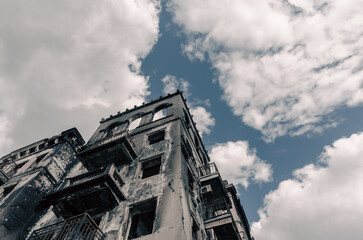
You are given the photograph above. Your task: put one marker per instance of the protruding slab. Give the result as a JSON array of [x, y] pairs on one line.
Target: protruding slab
[[94, 192], [117, 149]]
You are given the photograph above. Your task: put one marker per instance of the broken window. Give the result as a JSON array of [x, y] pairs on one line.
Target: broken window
[[142, 219], [156, 137], [151, 167]]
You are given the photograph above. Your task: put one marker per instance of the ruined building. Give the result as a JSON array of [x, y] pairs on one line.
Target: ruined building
[[144, 174]]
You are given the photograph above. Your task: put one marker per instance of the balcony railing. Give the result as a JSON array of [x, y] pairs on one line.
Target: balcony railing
[[216, 208], [3, 177], [77, 228], [208, 169], [8, 166]]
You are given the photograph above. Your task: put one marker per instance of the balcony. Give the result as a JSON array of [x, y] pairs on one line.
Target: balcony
[[218, 217], [93, 192], [209, 175], [117, 149], [78, 227], [208, 171]]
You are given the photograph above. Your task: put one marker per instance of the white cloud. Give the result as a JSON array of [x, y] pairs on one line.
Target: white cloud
[[203, 119], [70, 63], [172, 84], [239, 164], [284, 68], [322, 201], [201, 116]]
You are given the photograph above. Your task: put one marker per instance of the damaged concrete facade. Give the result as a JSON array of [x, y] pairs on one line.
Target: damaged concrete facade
[[144, 174]]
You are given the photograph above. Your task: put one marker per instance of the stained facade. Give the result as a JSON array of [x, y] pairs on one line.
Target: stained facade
[[144, 174]]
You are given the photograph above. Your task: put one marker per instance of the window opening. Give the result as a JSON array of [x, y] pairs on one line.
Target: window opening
[[114, 128], [23, 153], [51, 142], [151, 167], [142, 220], [156, 137], [160, 114], [41, 146], [134, 124], [161, 111], [31, 150]]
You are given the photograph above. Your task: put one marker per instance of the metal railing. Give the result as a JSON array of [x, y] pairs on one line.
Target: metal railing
[[3, 176], [216, 208], [208, 169], [8, 166], [74, 228]]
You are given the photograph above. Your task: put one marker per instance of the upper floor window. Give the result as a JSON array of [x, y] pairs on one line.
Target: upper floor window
[[161, 111], [156, 137], [135, 123], [115, 128], [151, 167]]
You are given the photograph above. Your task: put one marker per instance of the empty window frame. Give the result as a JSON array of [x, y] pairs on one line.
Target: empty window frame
[[151, 167], [161, 111], [156, 137], [142, 219], [135, 123]]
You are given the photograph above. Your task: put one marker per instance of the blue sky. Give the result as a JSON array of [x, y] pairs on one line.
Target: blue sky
[[285, 153], [275, 87]]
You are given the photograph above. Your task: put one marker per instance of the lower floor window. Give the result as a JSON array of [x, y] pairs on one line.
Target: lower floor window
[[142, 219]]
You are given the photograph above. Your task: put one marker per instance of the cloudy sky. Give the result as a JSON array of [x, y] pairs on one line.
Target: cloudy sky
[[275, 86]]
